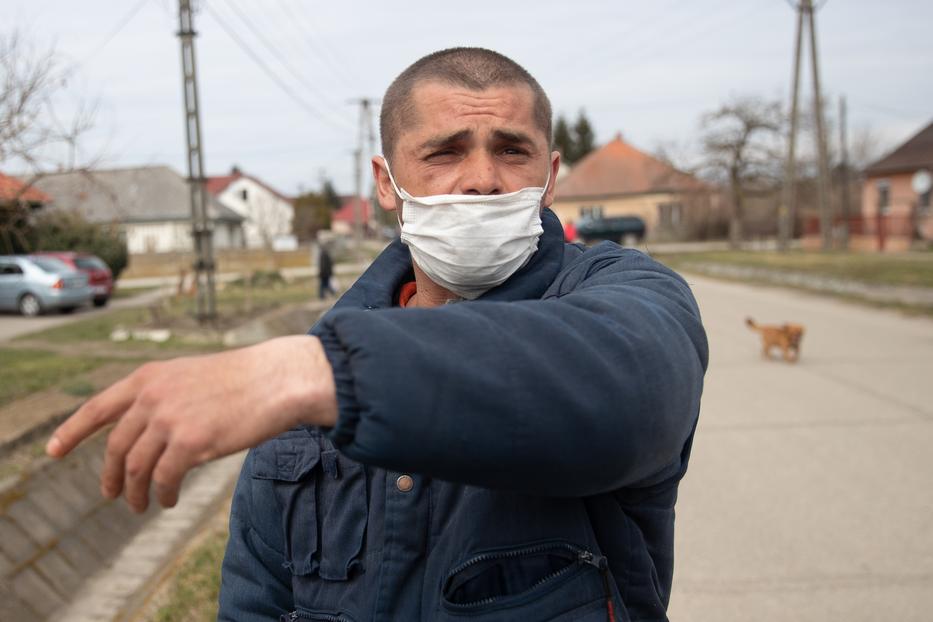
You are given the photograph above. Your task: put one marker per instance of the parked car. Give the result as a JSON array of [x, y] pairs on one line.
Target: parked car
[[621, 229], [33, 285], [98, 273]]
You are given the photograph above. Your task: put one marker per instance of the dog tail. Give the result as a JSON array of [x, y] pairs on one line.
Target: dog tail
[[751, 323]]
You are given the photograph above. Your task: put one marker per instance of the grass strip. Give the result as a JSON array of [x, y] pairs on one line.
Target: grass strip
[[27, 371], [192, 595], [913, 269]]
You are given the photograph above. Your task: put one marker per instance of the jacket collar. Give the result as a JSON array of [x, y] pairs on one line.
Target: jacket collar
[[377, 286]]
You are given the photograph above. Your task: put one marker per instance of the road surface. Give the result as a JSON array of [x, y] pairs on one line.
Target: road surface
[[13, 325], [810, 489]]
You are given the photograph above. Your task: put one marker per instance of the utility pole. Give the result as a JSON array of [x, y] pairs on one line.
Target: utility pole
[[366, 135], [826, 220], [788, 210], [844, 172], [201, 229], [805, 18]]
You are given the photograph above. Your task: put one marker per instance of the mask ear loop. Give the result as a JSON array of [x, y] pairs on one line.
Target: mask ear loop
[[398, 192]]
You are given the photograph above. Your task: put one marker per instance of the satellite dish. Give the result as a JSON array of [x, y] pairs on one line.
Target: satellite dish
[[922, 181]]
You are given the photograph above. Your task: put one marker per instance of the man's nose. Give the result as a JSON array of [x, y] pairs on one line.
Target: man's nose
[[480, 176]]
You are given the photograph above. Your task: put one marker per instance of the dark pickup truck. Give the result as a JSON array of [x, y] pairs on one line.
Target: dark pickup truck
[[616, 229]]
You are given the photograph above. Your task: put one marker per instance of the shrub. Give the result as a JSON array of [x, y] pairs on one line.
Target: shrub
[[71, 232]]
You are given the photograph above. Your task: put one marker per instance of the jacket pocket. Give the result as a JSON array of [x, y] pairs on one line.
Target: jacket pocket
[[501, 579], [321, 497], [342, 510]]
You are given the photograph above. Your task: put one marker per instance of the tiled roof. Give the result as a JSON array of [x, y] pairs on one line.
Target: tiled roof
[[914, 154], [12, 189], [618, 168], [345, 213], [218, 183], [142, 194]]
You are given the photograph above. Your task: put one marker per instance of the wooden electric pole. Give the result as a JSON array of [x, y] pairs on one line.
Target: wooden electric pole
[[788, 211], [826, 220], [844, 173], [805, 18], [201, 228]]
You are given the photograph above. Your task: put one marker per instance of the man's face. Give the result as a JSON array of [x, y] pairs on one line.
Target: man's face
[[460, 141]]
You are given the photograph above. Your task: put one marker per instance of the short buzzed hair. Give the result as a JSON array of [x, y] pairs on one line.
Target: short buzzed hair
[[474, 68]]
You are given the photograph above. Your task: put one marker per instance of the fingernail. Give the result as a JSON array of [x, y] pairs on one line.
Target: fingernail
[[53, 447]]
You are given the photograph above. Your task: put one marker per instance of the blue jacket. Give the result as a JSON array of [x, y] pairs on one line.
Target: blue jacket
[[515, 457]]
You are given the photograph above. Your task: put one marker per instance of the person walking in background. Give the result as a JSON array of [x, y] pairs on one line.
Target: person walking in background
[[325, 270]]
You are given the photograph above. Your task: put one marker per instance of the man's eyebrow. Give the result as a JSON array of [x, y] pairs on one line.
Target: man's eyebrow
[[447, 139], [513, 137]]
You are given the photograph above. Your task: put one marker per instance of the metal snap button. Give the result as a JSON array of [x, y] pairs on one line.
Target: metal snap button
[[404, 483]]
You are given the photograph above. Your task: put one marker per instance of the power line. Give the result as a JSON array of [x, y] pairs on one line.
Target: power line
[[319, 55], [116, 30], [297, 98], [275, 52]]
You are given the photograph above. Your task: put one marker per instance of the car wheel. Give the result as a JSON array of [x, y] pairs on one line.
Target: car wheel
[[100, 302], [29, 305]]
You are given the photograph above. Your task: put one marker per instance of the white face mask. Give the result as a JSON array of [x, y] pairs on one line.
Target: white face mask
[[470, 243]]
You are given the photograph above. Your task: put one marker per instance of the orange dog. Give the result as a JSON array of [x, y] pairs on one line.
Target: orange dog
[[786, 337]]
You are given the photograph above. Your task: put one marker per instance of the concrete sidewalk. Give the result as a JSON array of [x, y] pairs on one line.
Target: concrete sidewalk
[[809, 494]]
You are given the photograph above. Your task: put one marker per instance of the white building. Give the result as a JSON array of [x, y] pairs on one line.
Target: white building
[[151, 204], [267, 213]]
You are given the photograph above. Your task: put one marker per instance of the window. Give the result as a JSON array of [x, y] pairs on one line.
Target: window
[[884, 196], [925, 201], [670, 215], [10, 268], [48, 264], [90, 263], [244, 194], [591, 211]]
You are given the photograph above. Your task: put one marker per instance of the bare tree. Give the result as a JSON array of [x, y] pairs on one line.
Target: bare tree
[[741, 146], [34, 137]]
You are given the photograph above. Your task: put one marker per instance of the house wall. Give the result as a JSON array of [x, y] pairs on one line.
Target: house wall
[[171, 237], [267, 215], [157, 237], [645, 206], [901, 220]]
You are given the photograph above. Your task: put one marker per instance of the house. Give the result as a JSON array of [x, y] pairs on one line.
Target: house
[[18, 202], [619, 180], [14, 192], [267, 213], [344, 218], [151, 205], [893, 214]]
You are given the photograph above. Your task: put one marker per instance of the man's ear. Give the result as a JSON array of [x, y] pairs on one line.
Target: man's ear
[[548, 197], [385, 193]]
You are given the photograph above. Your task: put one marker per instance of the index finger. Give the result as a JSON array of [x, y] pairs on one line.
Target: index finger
[[102, 409]]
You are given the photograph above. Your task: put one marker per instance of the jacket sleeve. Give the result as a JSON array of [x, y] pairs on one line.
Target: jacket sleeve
[[254, 585], [592, 388]]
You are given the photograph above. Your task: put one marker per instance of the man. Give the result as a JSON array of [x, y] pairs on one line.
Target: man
[[325, 270], [489, 424]]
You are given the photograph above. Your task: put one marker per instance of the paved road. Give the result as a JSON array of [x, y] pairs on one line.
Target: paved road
[[810, 490], [13, 325]]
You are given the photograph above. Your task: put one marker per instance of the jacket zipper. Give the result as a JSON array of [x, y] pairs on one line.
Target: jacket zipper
[[293, 616], [602, 565], [582, 556]]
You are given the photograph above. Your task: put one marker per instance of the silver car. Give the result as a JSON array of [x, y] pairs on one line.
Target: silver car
[[33, 285]]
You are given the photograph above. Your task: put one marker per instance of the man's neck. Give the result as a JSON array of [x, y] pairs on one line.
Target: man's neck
[[429, 293]]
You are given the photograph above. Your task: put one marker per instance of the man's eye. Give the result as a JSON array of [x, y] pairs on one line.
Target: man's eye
[[514, 151], [441, 153]]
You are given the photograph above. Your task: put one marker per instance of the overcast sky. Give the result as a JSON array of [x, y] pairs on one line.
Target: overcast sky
[[646, 69]]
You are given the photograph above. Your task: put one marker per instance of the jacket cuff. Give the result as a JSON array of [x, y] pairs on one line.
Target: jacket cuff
[[348, 409]]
